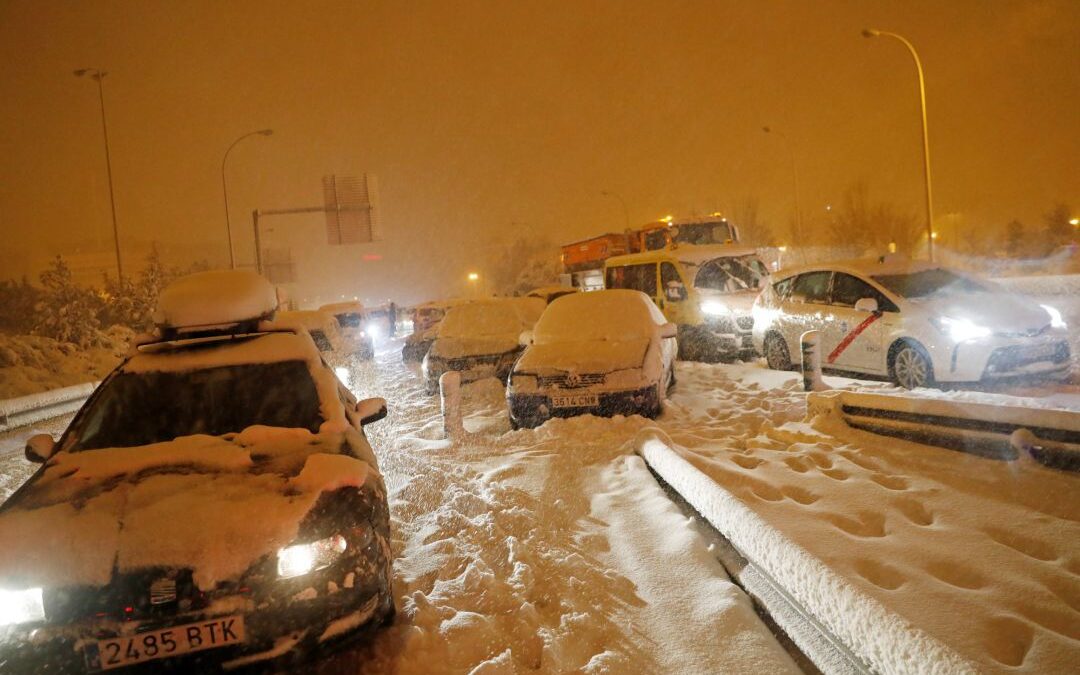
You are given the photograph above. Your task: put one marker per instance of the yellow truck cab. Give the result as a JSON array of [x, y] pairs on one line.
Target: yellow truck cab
[[707, 291]]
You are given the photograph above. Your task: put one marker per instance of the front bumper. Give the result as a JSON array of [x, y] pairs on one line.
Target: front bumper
[[1002, 358], [714, 341], [302, 623], [472, 368], [533, 409]]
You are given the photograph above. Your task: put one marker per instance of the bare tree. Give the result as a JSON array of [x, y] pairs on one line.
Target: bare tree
[[864, 223]]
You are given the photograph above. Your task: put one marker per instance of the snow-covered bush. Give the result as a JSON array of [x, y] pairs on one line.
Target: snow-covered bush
[[66, 311], [17, 302]]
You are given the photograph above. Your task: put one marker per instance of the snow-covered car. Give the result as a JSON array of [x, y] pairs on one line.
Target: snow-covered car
[[214, 502], [915, 323], [480, 339], [707, 291], [352, 325], [426, 319], [550, 294], [605, 353]]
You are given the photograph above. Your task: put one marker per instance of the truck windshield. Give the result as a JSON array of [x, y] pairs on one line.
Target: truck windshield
[[731, 275], [718, 232]]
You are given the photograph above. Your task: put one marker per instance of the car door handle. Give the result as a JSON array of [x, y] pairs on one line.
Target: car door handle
[[843, 326]]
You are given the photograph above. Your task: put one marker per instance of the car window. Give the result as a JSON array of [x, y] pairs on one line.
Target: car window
[[349, 320], [811, 287], [731, 275], [929, 282], [848, 289], [782, 288], [671, 283], [321, 341], [134, 409], [635, 277]]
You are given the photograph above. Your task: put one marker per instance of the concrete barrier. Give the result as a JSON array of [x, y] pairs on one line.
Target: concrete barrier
[[33, 408]]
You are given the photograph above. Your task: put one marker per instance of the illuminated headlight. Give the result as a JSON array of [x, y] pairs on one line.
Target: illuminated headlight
[[1056, 320], [374, 330], [298, 560], [714, 308], [21, 606], [960, 330]]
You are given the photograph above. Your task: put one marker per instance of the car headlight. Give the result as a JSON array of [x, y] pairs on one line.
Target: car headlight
[[374, 330], [714, 308], [1056, 320], [299, 559], [960, 330], [21, 606]]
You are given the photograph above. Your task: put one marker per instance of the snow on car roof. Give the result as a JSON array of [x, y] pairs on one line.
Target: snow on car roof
[[610, 315], [308, 319], [495, 316], [885, 265], [343, 307], [544, 291], [215, 298], [443, 304]]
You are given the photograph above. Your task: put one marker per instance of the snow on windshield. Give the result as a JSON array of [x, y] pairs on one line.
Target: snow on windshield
[[481, 319], [612, 316], [929, 282]]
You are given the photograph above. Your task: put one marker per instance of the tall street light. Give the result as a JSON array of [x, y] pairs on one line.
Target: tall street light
[[99, 75], [626, 211], [794, 181], [225, 190], [870, 33]]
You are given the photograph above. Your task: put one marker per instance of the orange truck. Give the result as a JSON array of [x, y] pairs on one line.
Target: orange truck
[[583, 261]]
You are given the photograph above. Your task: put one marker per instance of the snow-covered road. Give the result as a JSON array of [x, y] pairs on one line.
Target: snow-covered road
[[555, 550]]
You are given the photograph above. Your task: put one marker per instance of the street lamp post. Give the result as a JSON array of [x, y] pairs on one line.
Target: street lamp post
[[870, 33], [225, 190], [794, 181], [626, 211], [99, 75]]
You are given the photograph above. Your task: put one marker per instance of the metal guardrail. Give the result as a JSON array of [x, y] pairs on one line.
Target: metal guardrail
[[18, 412]]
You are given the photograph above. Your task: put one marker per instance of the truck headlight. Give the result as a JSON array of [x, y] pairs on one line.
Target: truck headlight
[[299, 559], [960, 330], [21, 606], [1056, 320], [714, 308]]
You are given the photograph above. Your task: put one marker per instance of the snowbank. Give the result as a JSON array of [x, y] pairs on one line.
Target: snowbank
[[887, 541], [31, 364]]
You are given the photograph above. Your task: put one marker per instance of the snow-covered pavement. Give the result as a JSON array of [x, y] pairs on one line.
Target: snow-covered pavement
[[555, 550]]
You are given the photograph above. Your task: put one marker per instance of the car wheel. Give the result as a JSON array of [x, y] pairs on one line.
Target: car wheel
[[776, 353], [911, 368]]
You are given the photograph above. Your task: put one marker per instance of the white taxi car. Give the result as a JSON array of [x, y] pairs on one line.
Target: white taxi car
[[915, 323]]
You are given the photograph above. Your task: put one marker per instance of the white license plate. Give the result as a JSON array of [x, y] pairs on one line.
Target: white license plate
[[160, 644], [575, 401]]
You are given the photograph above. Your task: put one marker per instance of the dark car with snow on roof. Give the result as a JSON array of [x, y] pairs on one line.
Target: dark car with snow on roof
[[480, 339], [604, 353], [214, 503]]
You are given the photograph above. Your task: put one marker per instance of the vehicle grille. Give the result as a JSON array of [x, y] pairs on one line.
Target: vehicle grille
[[744, 322], [1007, 359], [570, 380], [130, 596], [1031, 332], [467, 362]]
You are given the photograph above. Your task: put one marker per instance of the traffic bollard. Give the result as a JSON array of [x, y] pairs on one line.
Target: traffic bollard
[[450, 397], [811, 361]]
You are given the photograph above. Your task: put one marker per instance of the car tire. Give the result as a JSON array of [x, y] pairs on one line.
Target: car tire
[[910, 367], [776, 351]]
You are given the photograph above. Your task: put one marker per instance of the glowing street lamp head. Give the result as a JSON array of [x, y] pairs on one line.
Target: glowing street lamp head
[[473, 276], [1074, 222]]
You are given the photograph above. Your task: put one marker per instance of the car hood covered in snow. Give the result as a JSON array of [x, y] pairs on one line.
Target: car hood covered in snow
[[95, 514], [1000, 312], [462, 347], [593, 356]]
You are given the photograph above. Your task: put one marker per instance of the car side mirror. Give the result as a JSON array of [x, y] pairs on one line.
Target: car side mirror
[[866, 305], [39, 448], [526, 338], [669, 330], [371, 410]]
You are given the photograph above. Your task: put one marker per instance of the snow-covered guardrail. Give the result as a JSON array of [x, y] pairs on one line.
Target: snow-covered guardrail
[[1051, 437], [17, 412], [879, 638]]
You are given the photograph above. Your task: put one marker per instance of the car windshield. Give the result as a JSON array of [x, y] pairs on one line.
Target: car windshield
[[135, 409], [732, 274], [926, 283]]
